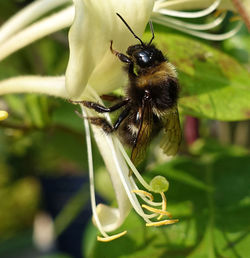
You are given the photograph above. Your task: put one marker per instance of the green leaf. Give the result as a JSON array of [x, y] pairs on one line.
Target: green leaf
[[213, 84], [176, 172]]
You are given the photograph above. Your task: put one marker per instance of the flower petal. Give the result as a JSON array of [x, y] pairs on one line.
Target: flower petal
[[94, 26], [27, 15], [111, 218], [37, 30], [53, 86]]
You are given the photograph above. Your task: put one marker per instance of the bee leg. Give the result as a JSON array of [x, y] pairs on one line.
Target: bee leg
[[111, 97], [105, 125], [121, 117], [98, 121], [124, 59], [100, 108], [101, 122], [121, 56]]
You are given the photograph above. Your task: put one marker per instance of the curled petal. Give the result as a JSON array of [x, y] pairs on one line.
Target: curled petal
[[111, 218], [36, 31], [187, 5], [27, 15], [95, 25]]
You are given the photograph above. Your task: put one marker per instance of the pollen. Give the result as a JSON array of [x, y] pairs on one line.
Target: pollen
[[218, 12], [3, 115], [235, 18], [157, 211], [147, 194], [111, 238], [162, 223]]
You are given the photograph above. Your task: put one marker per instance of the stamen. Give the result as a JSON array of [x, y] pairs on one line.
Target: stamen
[[209, 36], [141, 192], [192, 26], [218, 12], [162, 223], [235, 18], [123, 174], [180, 14], [166, 213], [143, 197], [164, 204], [150, 216], [150, 202], [111, 238], [133, 168], [91, 175]]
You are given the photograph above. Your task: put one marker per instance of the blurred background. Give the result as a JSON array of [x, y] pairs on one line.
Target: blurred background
[[44, 192]]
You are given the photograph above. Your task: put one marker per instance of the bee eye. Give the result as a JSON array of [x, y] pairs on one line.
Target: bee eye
[[143, 58]]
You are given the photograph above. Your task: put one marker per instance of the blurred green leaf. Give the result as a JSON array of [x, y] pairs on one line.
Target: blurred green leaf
[[34, 110], [185, 176], [239, 46], [64, 115], [213, 84], [56, 255], [16, 246], [22, 196], [71, 209], [17, 105]]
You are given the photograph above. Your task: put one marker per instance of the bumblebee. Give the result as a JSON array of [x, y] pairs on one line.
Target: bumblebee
[[150, 102]]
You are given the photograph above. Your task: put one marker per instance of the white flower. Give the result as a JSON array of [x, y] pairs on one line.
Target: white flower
[[92, 70]]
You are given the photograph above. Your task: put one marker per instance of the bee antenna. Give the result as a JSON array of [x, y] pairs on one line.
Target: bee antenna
[[152, 31], [130, 28]]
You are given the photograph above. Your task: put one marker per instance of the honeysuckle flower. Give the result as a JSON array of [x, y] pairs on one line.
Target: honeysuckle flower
[[92, 70]]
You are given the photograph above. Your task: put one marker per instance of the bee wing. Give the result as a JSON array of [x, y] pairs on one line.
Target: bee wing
[[144, 134], [172, 132]]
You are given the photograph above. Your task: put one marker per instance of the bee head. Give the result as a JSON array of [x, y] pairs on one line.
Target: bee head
[[144, 55]]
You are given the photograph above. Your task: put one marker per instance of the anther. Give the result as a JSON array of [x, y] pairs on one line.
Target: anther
[[166, 213], [111, 238], [162, 223], [147, 194]]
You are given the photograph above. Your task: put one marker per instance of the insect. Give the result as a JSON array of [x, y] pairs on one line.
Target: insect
[[150, 102]]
